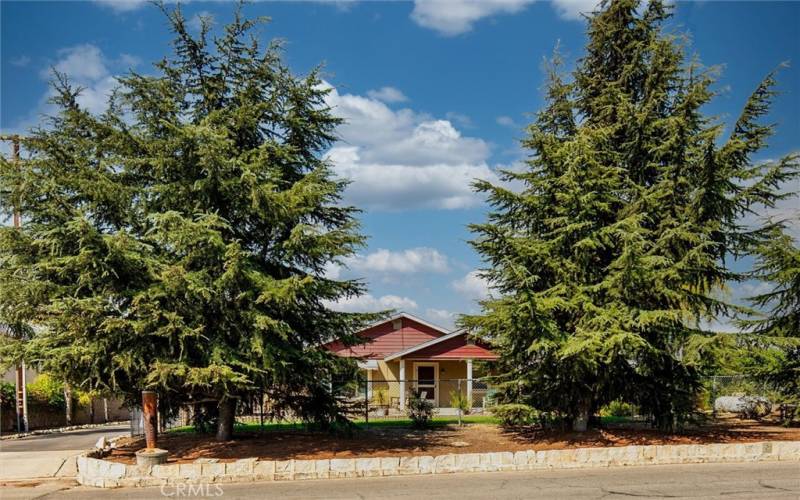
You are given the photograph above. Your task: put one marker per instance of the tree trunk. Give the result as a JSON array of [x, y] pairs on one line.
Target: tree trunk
[[68, 403], [227, 414], [581, 420]]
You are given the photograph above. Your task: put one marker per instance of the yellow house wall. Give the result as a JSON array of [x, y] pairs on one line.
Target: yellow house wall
[[386, 386]]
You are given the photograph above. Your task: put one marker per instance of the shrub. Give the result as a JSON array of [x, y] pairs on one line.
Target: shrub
[[420, 411], [46, 390], [460, 401], [7, 399], [514, 414], [619, 409]]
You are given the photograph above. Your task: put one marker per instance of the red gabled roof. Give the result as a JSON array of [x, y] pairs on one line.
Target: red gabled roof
[[455, 345], [384, 339]]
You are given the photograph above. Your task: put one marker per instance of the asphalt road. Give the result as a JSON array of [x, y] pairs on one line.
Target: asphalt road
[[49, 455], [82, 439], [766, 480]]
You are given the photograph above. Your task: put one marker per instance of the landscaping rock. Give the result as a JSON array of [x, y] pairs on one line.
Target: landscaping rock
[[102, 473]]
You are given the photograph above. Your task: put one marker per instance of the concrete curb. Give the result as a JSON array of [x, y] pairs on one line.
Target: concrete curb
[[105, 474], [57, 430]]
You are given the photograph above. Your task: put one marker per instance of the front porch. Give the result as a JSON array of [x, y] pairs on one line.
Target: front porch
[[390, 384]]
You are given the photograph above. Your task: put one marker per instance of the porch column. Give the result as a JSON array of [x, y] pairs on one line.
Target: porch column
[[469, 382], [402, 384]]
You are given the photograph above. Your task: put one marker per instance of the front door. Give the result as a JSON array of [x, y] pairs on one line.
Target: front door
[[427, 377]]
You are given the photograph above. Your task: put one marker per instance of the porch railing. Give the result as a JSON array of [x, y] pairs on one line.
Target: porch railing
[[384, 398]]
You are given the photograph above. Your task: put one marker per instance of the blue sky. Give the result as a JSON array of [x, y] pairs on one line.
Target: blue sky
[[434, 94]]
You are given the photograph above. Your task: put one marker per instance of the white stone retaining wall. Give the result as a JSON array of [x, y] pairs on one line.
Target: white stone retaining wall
[[106, 474]]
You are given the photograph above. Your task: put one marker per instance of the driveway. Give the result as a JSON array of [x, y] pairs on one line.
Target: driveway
[[50, 455], [765, 480]]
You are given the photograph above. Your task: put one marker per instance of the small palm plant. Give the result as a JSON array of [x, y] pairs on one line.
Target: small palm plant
[[459, 401]]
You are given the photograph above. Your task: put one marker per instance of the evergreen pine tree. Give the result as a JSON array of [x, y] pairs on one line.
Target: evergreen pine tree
[[608, 258], [178, 241], [775, 347]]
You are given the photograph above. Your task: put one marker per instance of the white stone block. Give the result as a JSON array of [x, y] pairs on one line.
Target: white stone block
[[343, 467], [408, 465], [165, 471], [425, 465], [521, 460], [468, 462], [190, 471], [242, 467], [284, 470], [444, 464], [212, 470], [322, 468], [264, 470], [368, 467], [390, 466], [305, 469]]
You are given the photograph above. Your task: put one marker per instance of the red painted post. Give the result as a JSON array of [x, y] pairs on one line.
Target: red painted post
[[150, 411]]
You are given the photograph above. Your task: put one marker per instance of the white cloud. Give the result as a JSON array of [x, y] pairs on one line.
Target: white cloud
[[388, 262], [441, 317], [20, 61], [196, 21], [120, 6], [460, 119], [400, 187], [387, 94], [412, 260], [86, 66], [453, 17], [370, 303], [129, 60], [506, 121], [472, 286], [81, 62], [571, 10], [403, 159], [403, 136]]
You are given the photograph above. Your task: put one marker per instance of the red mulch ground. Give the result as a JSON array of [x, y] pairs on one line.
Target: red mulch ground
[[283, 445]]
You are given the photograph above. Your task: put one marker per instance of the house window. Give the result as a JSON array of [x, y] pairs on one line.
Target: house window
[[426, 381]]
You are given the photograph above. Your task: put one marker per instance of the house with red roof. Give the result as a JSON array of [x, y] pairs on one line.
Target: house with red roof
[[404, 355]]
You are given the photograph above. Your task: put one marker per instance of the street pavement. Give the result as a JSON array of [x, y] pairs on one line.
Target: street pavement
[[765, 480], [50, 455]]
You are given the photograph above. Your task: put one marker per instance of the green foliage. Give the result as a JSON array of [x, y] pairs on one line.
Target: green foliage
[[420, 411], [515, 414], [7, 397], [618, 409], [460, 401], [611, 249], [47, 390], [178, 241], [773, 354]]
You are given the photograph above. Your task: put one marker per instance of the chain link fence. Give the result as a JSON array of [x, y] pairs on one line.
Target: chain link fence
[[449, 396], [745, 395], [369, 400]]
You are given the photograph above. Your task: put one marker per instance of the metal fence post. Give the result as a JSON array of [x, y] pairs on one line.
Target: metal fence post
[[714, 396], [459, 399], [366, 403]]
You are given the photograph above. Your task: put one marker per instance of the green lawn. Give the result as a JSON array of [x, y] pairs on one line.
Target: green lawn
[[380, 423], [359, 423]]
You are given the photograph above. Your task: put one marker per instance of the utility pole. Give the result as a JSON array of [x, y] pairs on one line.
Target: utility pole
[[22, 393]]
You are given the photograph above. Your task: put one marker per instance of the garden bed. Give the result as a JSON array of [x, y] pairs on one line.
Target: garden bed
[[478, 435]]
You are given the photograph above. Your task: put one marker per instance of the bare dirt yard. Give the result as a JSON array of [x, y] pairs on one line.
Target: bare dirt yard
[[440, 440]]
